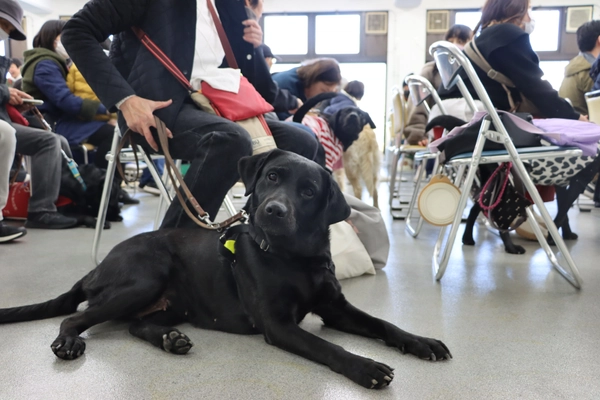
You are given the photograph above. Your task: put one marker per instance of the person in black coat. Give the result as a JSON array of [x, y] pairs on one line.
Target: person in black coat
[[504, 43], [139, 86]]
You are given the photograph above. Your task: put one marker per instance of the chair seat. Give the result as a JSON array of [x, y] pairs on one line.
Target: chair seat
[[411, 148], [425, 155], [526, 152]]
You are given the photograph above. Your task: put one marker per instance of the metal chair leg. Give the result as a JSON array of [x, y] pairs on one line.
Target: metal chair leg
[[393, 173], [110, 175], [440, 264]]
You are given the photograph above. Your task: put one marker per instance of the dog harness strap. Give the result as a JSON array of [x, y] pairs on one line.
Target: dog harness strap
[[230, 236]]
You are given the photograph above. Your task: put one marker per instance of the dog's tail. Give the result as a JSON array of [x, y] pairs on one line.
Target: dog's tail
[[447, 122], [310, 103], [62, 305]]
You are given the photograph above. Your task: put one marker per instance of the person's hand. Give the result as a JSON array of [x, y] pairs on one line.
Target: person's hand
[[17, 96], [584, 118], [423, 142], [252, 32], [300, 104], [139, 115]]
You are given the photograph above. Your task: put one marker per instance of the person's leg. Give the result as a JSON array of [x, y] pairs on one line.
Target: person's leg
[[8, 143], [102, 139], [213, 145], [44, 148], [298, 139]]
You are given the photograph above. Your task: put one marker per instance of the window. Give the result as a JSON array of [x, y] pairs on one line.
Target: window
[[295, 42], [554, 72], [546, 33], [468, 18], [337, 34]]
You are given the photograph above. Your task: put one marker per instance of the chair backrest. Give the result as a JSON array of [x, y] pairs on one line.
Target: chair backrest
[[593, 102], [399, 113], [450, 60], [420, 89]]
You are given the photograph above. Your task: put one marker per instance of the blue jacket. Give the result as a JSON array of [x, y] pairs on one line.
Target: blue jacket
[[62, 105], [290, 81], [337, 103]]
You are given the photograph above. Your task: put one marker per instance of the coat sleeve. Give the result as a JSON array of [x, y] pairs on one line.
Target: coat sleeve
[[519, 62], [49, 80], [82, 37], [4, 94]]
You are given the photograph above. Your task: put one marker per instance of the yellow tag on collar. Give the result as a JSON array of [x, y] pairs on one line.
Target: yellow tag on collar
[[230, 245]]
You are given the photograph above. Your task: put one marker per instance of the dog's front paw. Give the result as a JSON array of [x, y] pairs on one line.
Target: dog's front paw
[[570, 235], [514, 249], [370, 374], [426, 349], [176, 342], [68, 347]]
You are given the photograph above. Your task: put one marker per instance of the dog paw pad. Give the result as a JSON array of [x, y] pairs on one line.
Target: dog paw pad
[[176, 342]]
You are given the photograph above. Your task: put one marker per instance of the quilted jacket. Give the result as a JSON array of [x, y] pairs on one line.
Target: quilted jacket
[[171, 24], [80, 88]]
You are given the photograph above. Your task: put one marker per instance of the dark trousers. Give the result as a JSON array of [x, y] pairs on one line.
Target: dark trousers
[[214, 145]]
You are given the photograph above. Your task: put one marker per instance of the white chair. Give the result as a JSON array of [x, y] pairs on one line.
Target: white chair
[[163, 184], [450, 61]]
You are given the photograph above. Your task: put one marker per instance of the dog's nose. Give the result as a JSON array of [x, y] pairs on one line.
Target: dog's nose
[[277, 209]]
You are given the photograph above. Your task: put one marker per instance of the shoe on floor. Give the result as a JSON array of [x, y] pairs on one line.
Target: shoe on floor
[[49, 220], [9, 233], [151, 188], [125, 198]]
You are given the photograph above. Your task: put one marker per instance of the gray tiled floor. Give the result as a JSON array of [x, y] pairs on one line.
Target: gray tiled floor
[[515, 327]]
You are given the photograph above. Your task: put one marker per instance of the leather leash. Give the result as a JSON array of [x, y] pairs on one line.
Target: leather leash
[[201, 218]]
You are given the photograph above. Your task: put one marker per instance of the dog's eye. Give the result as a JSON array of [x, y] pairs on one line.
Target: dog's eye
[[272, 176], [308, 192]]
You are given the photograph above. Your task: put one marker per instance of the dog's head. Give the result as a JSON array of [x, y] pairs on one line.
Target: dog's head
[[94, 178], [347, 123], [293, 201]]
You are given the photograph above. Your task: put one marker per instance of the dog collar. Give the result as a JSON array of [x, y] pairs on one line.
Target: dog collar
[[230, 236]]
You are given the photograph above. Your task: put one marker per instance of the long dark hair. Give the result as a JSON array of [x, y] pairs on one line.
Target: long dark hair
[[48, 33], [320, 70], [502, 11]]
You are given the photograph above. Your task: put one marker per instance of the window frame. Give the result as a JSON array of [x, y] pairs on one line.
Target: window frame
[[362, 57]]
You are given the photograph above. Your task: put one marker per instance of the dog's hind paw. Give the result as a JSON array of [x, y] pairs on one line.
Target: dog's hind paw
[[68, 348], [176, 342]]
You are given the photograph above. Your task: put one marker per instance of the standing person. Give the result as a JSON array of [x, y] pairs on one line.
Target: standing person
[[577, 81], [44, 147], [8, 143], [139, 86]]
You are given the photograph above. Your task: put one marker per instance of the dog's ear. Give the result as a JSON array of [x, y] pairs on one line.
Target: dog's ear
[[337, 208], [250, 168], [368, 120]]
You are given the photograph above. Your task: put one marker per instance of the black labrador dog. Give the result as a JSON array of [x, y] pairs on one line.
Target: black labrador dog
[[280, 271], [346, 123]]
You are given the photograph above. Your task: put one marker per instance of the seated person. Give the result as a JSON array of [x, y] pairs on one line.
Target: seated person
[[14, 72], [313, 77], [212, 144], [352, 93], [504, 43], [44, 77], [577, 79], [414, 132], [8, 142], [44, 147]]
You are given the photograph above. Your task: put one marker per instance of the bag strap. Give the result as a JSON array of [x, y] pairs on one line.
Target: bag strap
[[472, 51], [229, 56], [502, 167], [162, 57], [170, 66]]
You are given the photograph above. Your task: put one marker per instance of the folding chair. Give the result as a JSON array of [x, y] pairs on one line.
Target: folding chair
[[450, 61], [163, 184]]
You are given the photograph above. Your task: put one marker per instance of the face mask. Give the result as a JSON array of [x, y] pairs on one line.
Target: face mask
[[3, 35], [60, 50], [529, 26]]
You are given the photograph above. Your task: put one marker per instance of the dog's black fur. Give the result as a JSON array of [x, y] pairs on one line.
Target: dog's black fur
[[163, 278], [86, 203], [346, 123], [565, 196]]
